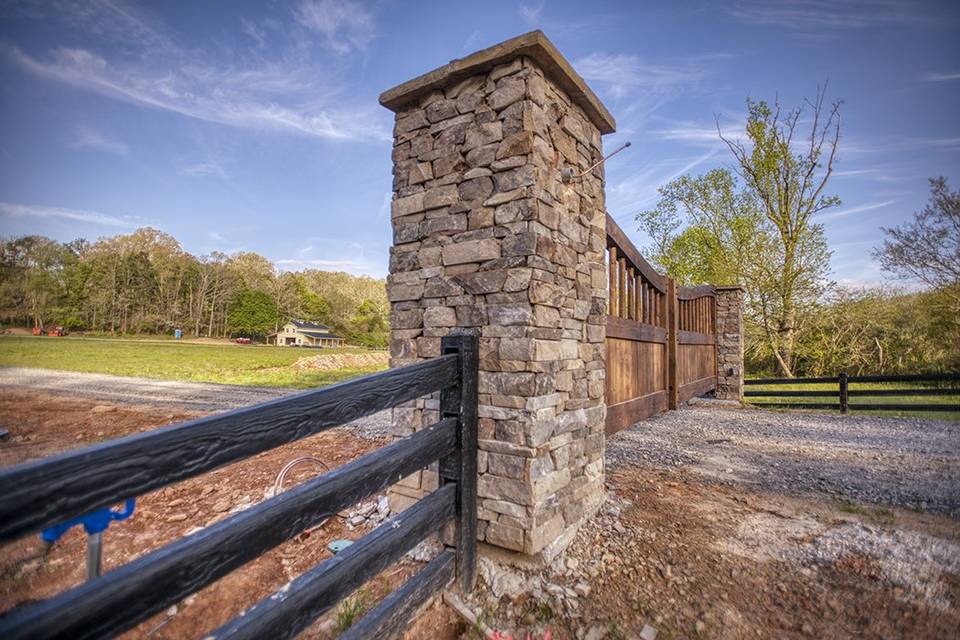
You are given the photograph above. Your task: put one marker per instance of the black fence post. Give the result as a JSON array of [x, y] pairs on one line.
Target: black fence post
[[461, 402], [843, 392]]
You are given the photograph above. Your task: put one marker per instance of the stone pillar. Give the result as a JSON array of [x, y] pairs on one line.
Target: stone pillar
[[730, 343], [490, 240]]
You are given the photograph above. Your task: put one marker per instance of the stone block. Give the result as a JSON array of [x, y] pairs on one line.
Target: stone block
[[471, 251]]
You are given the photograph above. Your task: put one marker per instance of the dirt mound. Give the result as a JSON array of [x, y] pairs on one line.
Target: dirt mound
[[333, 361]]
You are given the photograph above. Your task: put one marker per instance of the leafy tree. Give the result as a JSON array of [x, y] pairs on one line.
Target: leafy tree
[[787, 170], [253, 314], [713, 229], [928, 247]]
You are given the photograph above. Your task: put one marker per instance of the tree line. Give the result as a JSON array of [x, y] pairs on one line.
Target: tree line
[[756, 224], [145, 283]]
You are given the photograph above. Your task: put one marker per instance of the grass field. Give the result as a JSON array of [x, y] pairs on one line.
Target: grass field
[[947, 400], [166, 360]]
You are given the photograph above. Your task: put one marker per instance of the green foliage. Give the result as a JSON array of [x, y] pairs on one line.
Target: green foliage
[[145, 283], [253, 314], [349, 610]]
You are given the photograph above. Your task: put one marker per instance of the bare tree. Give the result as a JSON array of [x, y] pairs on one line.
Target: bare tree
[[788, 172], [928, 247]]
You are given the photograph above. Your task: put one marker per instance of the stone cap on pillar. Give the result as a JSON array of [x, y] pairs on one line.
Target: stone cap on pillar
[[534, 45]]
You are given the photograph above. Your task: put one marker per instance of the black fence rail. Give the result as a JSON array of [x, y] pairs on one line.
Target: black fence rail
[[944, 385], [45, 492]]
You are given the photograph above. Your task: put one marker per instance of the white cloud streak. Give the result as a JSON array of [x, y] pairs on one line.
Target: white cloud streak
[[530, 13], [345, 26], [77, 215], [825, 14], [933, 76], [246, 99], [287, 92], [88, 138], [843, 213], [204, 170], [628, 196]]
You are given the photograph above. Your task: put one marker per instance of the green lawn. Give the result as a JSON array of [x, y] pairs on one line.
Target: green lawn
[[952, 400], [166, 360]]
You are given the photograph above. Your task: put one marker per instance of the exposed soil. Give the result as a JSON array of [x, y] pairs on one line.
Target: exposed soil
[[693, 560], [42, 424], [333, 361], [682, 544]]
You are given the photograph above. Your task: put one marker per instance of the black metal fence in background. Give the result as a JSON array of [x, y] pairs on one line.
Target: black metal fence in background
[[38, 494], [941, 384]]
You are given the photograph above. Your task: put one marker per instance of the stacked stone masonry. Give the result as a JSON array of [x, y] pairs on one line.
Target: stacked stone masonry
[[489, 241], [730, 343]]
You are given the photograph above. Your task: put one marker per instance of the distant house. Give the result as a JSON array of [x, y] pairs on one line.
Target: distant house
[[297, 333]]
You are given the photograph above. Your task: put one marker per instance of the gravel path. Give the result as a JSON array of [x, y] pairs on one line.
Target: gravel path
[[903, 462], [191, 396]]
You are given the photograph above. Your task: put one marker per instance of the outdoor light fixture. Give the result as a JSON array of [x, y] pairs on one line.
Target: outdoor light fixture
[[568, 174]]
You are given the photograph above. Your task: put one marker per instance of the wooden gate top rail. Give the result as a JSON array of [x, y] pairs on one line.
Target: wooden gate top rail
[[139, 589], [693, 293], [617, 238], [41, 493]]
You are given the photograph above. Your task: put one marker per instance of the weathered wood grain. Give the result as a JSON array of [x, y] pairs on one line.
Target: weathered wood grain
[[122, 598], [390, 618], [693, 337], [41, 493], [673, 327], [631, 330], [461, 403], [626, 248], [624, 414], [289, 611], [697, 387]]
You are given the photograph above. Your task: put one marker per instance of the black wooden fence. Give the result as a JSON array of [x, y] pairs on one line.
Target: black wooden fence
[[38, 494], [942, 384]]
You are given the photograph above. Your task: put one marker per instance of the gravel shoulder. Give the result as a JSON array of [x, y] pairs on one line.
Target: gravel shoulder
[[171, 395], [898, 462]]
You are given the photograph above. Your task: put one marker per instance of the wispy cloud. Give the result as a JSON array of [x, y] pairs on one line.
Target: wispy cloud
[[208, 169], [933, 76], [254, 32], [282, 88], [244, 99], [628, 196], [879, 175], [345, 26], [843, 213], [530, 13], [825, 14], [87, 138], [356, 267], [622, 74], [77, 215], [697, 132]]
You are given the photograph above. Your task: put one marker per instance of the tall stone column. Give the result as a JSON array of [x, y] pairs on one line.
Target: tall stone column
[[730, 343], [489, 239]]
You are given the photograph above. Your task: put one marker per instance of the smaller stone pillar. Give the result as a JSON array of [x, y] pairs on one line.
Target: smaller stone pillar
[[730, 343]]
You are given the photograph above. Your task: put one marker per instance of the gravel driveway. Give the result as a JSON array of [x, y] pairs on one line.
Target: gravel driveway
[[189, 396], [903, 462]]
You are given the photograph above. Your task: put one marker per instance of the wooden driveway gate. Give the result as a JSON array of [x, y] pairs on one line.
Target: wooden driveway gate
[[660, 343]]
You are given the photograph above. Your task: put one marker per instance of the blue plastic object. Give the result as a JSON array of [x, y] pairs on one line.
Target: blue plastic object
[[339, 545], [93, 522]]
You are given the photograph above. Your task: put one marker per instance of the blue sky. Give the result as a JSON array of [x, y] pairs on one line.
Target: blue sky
[[255, 125]]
